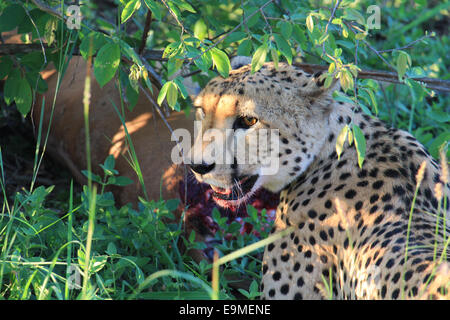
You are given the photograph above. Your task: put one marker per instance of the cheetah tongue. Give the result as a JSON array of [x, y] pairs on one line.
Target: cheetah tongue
[[221, 190]]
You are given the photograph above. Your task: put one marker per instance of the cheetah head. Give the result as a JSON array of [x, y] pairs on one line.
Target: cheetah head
[[258, 130]]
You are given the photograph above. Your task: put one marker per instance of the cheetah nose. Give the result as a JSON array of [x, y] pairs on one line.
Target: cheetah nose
[[202, 168]]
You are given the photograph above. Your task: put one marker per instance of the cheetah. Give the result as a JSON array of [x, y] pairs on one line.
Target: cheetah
[[355, 233]]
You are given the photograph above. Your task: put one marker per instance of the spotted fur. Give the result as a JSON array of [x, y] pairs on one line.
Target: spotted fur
[[351, 224]]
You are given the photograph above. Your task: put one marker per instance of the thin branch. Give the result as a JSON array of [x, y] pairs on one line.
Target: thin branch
[[38, 34], [148, 21], [332, 15], [409, 45], [231, 31], [267, 22], [355, 82], [326, 30], [156, 55], [351, 27], [243, 18], [183, 29], [46, 8], [157, 108]]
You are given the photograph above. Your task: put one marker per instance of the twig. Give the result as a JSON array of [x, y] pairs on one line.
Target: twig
[[38, 34], [409, 44], [156, 55], [183, 29], [156, 106], [328, 23], [148, 21], [351, 27], [332, 15], [231, 31], [158, 109], [355, 82], [243, 18], [267, 22], [46, 8]]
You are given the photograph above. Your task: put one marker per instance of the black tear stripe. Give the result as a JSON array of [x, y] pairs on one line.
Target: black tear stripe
[[234, 174]]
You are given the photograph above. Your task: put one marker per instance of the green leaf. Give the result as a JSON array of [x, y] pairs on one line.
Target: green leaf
[[153, 6], [172, 50], [50, 29], [174, 9], [372, 99], [310, 23], [96, 39], [106, 63], [221, 62], [36, 82], [439, 116], [172, 94], [123, 181], [97, 263], [173, 65], [259, 57], [200, 29], [245, 48], [204, 62], [94, 177], [360, 144], [403, 63], [129, 9], [12, 86], [255, 18], [132, 96], [24, 97], [328, 81], [81, 258], [111, 248], [346, 79], [360, 36], [192, 237], [110, 162], [299, 36], [234, 37], [11, 17], [284, 47], [286, 29], [444, 137], [5, 66], [341, 140], [350, 137], [184, 5], [163, 92], [353, 14], [179, 82], [344, 31], [339, 96], [172, 204], [33, 60]]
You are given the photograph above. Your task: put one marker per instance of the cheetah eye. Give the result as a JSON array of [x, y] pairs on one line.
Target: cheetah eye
[[245, 122]]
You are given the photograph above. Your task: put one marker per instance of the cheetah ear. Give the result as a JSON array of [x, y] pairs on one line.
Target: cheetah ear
[[315, 87]]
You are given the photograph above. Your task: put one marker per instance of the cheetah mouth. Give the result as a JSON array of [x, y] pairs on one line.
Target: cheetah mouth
[[238, 192]]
